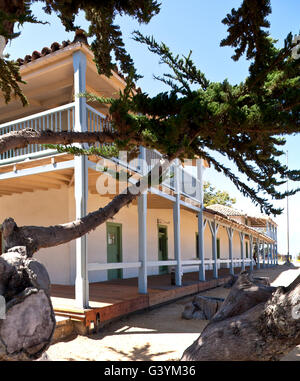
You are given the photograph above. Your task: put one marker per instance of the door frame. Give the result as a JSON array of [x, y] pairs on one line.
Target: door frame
[[115, 224], [167, 249]]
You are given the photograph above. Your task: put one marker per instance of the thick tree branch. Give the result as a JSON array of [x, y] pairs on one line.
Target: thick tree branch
[[23, 138], [35, 238]]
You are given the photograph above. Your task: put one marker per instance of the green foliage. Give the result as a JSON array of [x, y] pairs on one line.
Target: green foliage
[[197, 117], [10, 79], [213, 196], [243, 122], [107, 151]]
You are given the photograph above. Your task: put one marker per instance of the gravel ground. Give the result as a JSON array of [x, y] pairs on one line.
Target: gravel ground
[[160, 334]]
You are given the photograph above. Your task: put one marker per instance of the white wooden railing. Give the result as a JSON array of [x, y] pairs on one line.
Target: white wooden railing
[[63, 119], [58, 119], [126, 265], [96, 121]]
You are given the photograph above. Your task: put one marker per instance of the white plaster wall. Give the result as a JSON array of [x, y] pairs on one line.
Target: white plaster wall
[[42, 208], [128, 218], [58, 206]]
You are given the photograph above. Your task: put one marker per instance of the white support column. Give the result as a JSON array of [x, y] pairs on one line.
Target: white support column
[[251, 252], [176, 221], [201, 221], [242, 239], [264, 254], [81, 183], [230, 232], [276, 248], [258, 253], [214, 227], [201, 228], [268, 252], [142, 230]]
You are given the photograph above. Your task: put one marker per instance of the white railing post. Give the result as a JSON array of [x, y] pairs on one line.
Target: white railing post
[[276, 248], [214, 227], [251, 251], [81, 183], [142, 229], [264, 254], [230, 232], [201, 222], [242, 239], [176, 221], [258, 253]]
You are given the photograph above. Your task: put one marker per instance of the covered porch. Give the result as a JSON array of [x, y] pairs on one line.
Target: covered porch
[[114, 299]]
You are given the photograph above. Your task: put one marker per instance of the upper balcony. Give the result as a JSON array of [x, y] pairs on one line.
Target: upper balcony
[[53, 81], [62, 118]]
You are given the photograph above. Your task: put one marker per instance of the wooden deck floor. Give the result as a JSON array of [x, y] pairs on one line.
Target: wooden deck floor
[[113, 299]]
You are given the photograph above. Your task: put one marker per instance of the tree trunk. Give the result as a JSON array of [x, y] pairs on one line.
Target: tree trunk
[[256, 323], [28, 325]]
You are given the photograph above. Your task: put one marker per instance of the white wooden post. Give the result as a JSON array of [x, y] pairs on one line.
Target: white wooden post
[[176, 222], [251, 252], [242, 239], [258, 253], [214, 227], [230, 232], [142, 229], [276, 248], [201, 222], [264, 254], [81, 183], [268, 251]]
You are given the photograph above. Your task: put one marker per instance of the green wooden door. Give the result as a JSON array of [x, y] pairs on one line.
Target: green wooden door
[[163, 247], [218, 248], [114, 249]]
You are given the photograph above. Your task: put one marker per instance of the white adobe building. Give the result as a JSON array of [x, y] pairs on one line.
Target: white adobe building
[[165, 228]]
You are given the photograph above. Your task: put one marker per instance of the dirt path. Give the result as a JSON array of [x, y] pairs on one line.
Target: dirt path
[[159, 334]]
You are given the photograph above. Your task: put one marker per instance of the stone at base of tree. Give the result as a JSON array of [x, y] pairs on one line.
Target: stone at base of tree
[[290, 265], [231, 282], [202, 308], [29, 323], [234, 278]]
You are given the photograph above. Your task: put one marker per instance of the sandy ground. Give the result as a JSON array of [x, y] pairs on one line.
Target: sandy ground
[[159, 334]]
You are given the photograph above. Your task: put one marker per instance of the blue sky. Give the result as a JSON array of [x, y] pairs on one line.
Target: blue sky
[[190, 25]]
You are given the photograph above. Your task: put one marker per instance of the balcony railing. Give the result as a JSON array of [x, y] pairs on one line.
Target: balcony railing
[[265, 231], [57, 119], [63, 119]]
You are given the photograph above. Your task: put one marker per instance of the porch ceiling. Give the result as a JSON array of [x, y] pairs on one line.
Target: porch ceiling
[[50, 83], [55, 179], [31, 183]]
